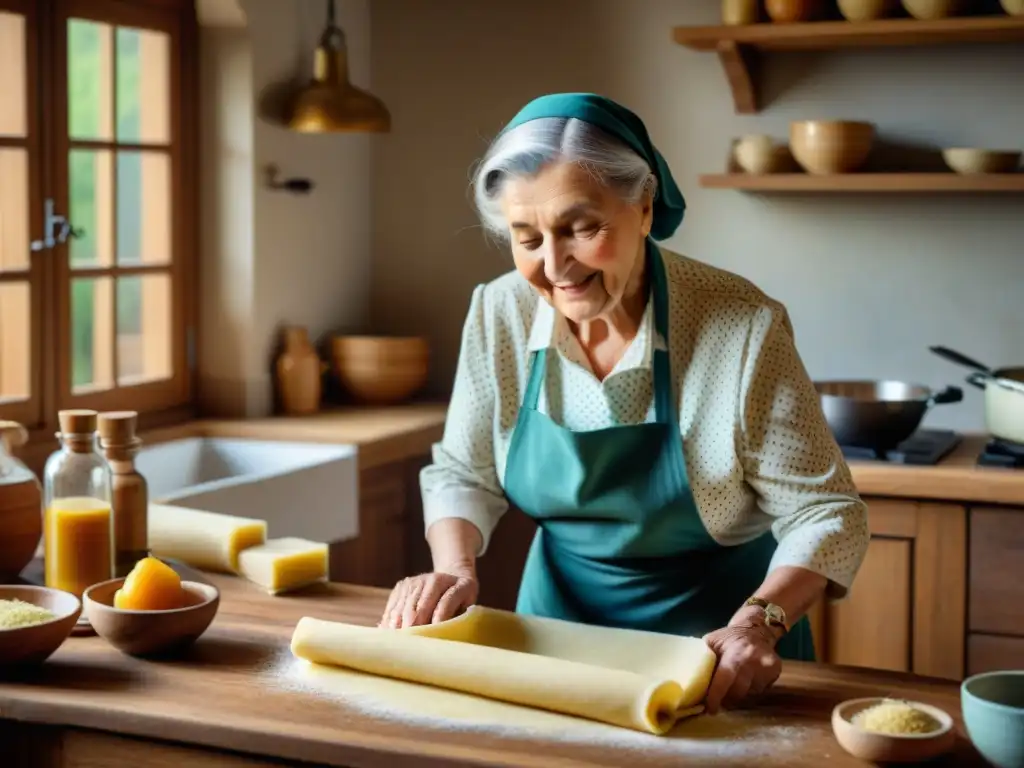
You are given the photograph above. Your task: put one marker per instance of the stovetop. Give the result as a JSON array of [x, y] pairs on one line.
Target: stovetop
[[926, 447], [1000, 453]]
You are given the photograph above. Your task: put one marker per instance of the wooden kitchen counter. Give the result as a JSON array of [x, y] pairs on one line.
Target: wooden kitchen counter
[[89, 705], [957, 478]]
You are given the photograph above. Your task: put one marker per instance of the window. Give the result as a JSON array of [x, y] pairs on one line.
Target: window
[[97, 223]]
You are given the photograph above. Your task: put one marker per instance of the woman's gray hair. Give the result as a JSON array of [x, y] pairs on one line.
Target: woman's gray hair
[[527, 148]]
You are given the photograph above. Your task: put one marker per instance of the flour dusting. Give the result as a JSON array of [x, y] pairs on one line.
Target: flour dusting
[[410, 704]]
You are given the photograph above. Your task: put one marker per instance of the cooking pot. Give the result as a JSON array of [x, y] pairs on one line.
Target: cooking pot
[[878, 414], [1004, 395]]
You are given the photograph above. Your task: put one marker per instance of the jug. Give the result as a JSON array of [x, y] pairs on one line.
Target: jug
[[21, 504]]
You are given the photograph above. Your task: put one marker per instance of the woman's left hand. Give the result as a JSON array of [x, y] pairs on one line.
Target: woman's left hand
[[747, 664]]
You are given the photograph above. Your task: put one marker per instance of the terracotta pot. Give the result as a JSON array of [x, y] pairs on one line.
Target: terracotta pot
[[21, 505], [791, 11], [298, 370]]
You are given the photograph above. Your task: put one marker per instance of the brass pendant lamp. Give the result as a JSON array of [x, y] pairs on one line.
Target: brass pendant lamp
[[330, 103]]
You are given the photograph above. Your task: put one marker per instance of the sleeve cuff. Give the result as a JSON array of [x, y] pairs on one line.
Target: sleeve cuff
[[481, 508], [813, 555]]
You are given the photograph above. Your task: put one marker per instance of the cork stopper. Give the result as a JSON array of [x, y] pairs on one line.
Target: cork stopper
[[77, 422], [118, 427]]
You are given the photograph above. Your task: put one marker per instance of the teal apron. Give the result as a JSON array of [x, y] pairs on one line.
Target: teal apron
[[620, 542]]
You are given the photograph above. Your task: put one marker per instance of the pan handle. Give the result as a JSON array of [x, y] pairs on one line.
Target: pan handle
[[979, 379], [947, 395], [958, 358]]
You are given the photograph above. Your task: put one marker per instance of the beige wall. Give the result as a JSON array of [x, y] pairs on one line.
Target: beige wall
[[871, 282], [271, 258]]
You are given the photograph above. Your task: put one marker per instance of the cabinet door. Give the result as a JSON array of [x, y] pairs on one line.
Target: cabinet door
[[871, 628], [907, 608]]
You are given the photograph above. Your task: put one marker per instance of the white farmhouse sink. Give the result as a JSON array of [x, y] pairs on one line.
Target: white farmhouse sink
[[308, 490]]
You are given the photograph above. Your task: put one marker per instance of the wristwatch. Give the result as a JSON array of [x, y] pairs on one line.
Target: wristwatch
[[774, 616]]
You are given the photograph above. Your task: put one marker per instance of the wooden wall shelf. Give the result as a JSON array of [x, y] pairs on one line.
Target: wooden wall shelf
[[740, 48], [859, 183]]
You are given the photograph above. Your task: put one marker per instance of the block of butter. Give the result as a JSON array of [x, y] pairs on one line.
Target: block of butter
[[206, 540], [285, 564]]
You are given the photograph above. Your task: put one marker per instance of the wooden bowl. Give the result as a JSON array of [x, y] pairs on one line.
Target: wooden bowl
[[933, 9], [824, 147], [380, 370], [35, 644], [967, 160], [150, 633], [792, 11], [890, 748], [866, 10]]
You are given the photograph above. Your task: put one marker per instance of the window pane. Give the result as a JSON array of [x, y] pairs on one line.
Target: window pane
[[143, 328], [92, 334], [13, 104], [91, 195], [14, 221], [90, 80], [143, 86], [15, 343], [143, 208]]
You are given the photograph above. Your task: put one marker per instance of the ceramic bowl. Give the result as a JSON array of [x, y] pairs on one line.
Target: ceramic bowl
[[825, 147], [380, 370], [32, 645], [150, 633], [759, 154], [932, 9], [993, 708], [969, 160], [866, 10], [1013, 7], [890, 748]]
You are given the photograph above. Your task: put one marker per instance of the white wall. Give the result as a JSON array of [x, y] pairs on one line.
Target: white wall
[[871, 282], [272, 258]]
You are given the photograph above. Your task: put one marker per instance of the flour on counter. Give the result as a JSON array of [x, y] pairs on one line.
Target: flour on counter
[[410, 704]]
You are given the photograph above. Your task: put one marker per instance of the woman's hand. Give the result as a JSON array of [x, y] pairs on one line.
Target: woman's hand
[[747, 664], [429, 598]]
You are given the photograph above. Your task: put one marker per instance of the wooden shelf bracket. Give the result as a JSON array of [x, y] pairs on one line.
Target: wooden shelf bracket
[[740, 63]]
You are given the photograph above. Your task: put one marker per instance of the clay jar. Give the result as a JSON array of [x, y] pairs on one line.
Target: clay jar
[[298, 370], [21, 504], [790, 11]]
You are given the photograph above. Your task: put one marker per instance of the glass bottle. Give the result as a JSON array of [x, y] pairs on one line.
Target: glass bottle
[[78, 522], [129, 492]]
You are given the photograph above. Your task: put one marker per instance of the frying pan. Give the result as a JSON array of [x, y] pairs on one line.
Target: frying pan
[[1004, 394], [878, 414]]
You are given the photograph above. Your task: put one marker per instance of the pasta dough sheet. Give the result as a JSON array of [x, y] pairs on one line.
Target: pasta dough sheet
[[646, 681]]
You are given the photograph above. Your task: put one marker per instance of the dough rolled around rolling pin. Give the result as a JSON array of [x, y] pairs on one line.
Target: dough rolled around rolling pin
[[640, 680]]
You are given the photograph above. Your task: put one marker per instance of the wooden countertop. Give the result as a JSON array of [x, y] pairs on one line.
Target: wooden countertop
[[215, 698], [957, 478]]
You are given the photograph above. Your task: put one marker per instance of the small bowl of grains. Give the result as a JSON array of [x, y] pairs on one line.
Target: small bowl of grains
[[34, 622], [886, 730]]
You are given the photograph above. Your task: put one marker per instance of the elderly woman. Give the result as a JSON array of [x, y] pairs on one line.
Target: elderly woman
[[649, 412]]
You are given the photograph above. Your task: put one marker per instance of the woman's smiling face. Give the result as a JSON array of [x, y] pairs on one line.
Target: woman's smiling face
[[577, 242]]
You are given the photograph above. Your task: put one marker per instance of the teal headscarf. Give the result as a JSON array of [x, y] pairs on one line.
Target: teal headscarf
[[669, 205]]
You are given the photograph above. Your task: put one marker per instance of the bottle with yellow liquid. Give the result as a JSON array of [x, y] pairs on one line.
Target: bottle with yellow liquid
[[78, 523]]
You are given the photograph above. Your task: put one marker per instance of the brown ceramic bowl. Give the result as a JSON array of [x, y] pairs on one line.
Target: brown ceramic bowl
[[824, 147], [380, 370], [150, 633], [32, 645], [890, 748]]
